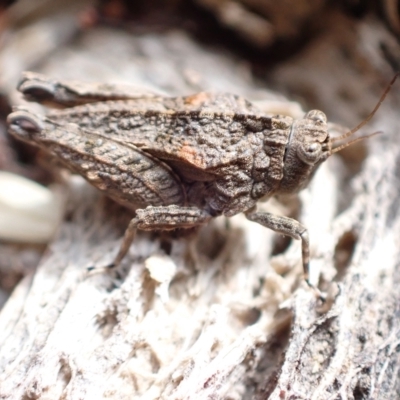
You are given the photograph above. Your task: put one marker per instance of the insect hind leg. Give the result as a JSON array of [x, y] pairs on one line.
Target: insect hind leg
[[60, 94]]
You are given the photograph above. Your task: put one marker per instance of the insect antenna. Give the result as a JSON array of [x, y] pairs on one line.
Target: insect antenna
[[366, 120], [336, 149]]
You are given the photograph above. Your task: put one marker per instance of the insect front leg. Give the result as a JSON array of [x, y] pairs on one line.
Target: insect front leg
[[286, 226], [160, 218]]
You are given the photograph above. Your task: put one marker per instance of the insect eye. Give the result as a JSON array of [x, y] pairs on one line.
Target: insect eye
[[317, 116], [310, 153], [312, 148]]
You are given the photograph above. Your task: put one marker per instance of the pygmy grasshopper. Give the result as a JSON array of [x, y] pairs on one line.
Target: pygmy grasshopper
[[178, 162]]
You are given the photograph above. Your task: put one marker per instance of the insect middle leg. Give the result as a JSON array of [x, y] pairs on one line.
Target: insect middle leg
[[286, 226], [160, 218]]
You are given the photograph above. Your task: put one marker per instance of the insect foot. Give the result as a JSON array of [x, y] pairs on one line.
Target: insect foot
[[179, 161]]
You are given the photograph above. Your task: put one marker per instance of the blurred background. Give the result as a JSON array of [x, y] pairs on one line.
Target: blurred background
[[288, 56]]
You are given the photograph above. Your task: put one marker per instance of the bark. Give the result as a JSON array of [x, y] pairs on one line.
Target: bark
[[214, 315]]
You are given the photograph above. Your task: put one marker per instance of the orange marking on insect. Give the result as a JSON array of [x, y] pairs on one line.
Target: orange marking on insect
[[190, 155], [197, 99]]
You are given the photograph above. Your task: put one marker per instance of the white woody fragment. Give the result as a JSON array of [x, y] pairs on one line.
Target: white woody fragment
[[29, 212]]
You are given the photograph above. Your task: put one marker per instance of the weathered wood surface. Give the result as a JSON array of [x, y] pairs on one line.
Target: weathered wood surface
[[214, 316]]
